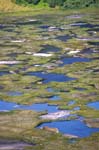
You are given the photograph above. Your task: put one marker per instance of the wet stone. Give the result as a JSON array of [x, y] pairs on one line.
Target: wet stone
[[82, 24]]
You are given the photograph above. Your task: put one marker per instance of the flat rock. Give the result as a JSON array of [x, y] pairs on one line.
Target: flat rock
[[92, 122], [56, 115], [70, 136], [42, 54], [9, 62]]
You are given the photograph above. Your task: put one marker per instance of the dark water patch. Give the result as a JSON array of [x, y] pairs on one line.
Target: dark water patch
[[5, 26], [49, 48], [80, 89], [14, 54], [1, 87], [2, 26], [50, 77], [70, 60], [87, 51], [55, 97], [8, 106], [64, 38], [94, 43], [82, 24], [96, 70], [74, 127], [93, 30], [4, 73], [94, 105], [8, 30], [44, 26]]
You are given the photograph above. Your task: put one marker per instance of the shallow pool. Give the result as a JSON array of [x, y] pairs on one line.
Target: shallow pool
[[8, 106], [50, 77], [94, 105], [74, 127]]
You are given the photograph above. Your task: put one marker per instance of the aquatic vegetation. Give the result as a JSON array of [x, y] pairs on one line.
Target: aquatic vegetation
[[39, 54]]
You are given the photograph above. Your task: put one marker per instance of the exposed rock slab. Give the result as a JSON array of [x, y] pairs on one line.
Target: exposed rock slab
[[70, 136], [42, 54], [56, 115], [9, 62], [54, 130], [92, 122]]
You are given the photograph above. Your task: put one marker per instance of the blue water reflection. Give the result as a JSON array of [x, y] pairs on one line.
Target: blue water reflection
[[74, 127]]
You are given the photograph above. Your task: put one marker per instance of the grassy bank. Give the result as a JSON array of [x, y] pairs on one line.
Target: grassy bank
[[9, 6]]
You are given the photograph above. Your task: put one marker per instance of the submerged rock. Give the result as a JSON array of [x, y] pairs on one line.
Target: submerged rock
[[54, 130]]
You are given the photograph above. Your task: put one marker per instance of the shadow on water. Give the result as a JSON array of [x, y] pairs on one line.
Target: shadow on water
[[50, 77], [74, 127]]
